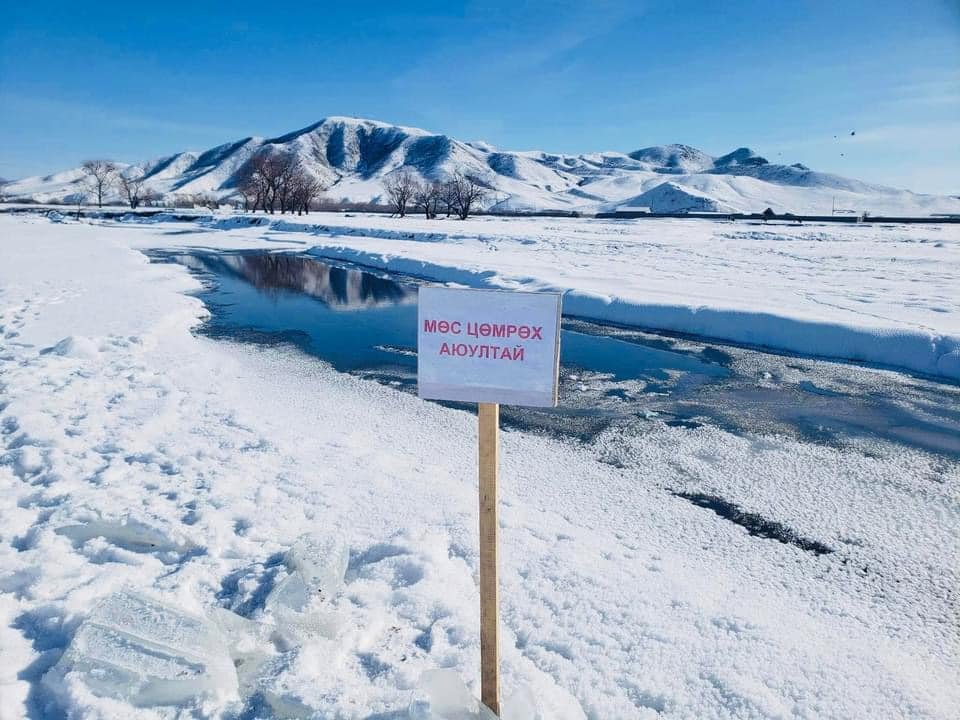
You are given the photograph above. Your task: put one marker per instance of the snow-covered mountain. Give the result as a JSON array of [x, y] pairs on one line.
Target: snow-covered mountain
[[353, 157]]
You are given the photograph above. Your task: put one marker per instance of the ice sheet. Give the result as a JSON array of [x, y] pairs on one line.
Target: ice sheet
[[148, 653]]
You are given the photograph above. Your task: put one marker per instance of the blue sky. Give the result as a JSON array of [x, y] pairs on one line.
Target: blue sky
[[790, 79]]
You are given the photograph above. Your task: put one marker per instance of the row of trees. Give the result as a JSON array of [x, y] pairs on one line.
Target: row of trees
[[459, 195], [102, 176], [277, 181], [99, 177]]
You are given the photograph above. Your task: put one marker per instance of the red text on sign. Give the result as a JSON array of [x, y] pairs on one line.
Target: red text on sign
[[475, 329]]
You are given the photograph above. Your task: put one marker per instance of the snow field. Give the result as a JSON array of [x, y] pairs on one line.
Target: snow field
[[885, 295], [136, 455]]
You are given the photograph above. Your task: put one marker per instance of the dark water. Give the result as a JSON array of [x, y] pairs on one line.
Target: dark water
[[364, 323]]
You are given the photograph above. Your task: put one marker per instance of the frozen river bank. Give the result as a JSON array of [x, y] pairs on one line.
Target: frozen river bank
[[364, 322]]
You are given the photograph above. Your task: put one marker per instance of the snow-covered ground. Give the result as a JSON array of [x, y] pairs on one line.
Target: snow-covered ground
[[192, 465]]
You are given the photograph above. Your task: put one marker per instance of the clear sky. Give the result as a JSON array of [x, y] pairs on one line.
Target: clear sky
[[792, 80]]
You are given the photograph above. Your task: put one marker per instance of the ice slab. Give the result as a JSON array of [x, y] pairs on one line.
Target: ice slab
[[293, 605], [447, 698], [127, 533], [243, 637], [293, 627], [322, 563], [248, 644], [288, 707], [147, 653], [283, 691], [317, 567], [291, 593]]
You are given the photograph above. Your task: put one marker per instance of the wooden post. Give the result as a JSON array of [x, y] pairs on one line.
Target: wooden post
[[489, 445]]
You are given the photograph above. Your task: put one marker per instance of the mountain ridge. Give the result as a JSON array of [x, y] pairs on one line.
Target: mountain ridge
[[353, 156]]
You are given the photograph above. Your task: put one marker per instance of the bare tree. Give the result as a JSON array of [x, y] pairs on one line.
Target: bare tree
[[448, 197], [256, 183], [206, 200], [252, 186], [427, 197], [467, 192], [100, 175], [400, 187], [268, 179], [132, 185], [79, 197], [149, 196], [286, 171], [267, 176], [305, 189]]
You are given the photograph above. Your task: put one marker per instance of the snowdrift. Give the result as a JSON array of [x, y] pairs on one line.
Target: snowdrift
[[927, 353]]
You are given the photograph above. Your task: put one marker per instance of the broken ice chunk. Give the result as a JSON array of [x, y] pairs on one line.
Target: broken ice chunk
[[310, 683], [543, 701], [295, 627], [126, 533], [241, 636], [288, 707], [292, 592], [317, 566], [290, 604], [448, 698], [145, 652], [246, 642], [321, 561]]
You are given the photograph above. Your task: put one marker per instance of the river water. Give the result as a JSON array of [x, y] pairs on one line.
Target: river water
[[364, 322]]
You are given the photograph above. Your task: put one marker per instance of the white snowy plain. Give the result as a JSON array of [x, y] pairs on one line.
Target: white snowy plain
[[884, 294], [619, 599]]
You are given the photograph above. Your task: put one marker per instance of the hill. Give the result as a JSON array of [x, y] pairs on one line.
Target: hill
[[353, 157]]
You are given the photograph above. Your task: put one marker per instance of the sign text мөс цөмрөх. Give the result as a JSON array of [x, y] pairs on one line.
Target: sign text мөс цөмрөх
[[488, 346]]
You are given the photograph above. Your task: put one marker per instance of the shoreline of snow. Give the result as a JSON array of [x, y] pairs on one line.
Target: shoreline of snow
[[928, 353], [925, 353]]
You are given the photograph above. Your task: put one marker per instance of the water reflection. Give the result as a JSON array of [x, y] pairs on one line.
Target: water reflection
[[607, 376], [338, 288], [347, 317]]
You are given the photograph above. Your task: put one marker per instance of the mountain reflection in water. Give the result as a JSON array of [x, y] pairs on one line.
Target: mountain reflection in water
[[607, 375], [338, 288]]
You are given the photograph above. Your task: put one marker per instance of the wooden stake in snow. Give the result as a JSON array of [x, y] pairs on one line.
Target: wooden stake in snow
[[488, 347], [489, 462]]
